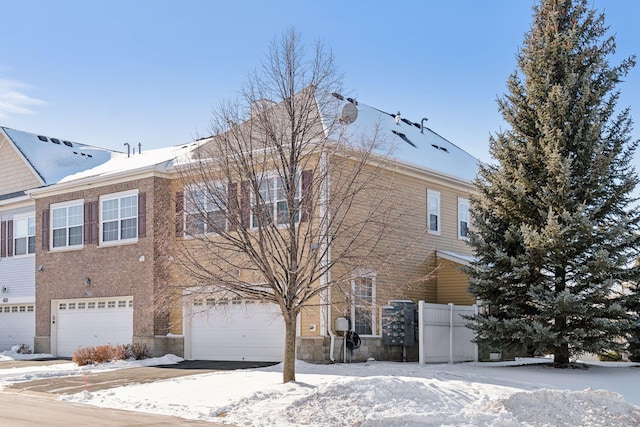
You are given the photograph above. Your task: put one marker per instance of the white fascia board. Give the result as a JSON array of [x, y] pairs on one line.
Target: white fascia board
[[98, 181]]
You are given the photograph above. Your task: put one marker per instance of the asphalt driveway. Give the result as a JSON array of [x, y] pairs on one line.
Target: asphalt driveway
[[94, 381]]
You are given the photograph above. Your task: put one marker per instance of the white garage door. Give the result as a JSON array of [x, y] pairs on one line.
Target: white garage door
[[91, 322], [235, 330], [17, 325]]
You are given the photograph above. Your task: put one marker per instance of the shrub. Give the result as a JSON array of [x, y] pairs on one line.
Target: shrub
[[21, 349], [107, 353], [610, 356], [140, 351]]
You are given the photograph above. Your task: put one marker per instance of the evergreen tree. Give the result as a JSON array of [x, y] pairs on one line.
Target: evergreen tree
[[556, 223]]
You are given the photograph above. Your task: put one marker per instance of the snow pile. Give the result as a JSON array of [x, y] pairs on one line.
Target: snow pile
[[375, 394], [578, 408]]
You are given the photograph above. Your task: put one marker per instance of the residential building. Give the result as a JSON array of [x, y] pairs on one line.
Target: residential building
[[101, 242]]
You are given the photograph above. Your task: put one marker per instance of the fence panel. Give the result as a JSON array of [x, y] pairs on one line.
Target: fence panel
[[443, 334]]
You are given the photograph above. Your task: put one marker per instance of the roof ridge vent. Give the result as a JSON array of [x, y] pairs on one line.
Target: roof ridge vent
[[43, 138], [67, 143], [55, 140]]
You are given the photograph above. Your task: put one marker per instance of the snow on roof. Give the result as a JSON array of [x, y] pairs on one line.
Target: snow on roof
[[408, 143], [54, 158], [122, 162], [456, 257]]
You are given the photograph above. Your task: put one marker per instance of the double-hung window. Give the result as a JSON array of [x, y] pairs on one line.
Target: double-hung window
[[67, 225], [463, 218], [363, 291], [119, 217], [270, 205], [205, 210], [24, 235], [433, 212]]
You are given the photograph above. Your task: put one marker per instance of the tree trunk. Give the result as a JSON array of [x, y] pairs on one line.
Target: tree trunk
[[289, 365], [561, 352], [561, 356]]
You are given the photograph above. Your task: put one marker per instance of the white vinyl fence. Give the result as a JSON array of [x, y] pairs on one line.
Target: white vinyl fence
[[443, 336]]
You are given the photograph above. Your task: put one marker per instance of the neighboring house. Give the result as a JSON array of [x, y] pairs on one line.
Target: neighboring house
[[101, 253], [101, 229], [28, 161]]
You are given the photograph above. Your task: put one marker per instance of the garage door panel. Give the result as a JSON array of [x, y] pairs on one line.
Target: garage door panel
[[249, 332], [17, 325], [93, 322]]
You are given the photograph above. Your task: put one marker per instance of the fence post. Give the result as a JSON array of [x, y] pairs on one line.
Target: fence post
[[421, 340], [475, 356], [450, 332]]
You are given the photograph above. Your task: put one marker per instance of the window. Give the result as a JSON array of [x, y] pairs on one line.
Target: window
[[119, 217], [271, 205], [204, 211], [67, 225], [24, 235], [363, 305], [463, 218], [433, 212]]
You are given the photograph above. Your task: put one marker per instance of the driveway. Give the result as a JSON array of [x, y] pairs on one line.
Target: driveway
[[94, 381]]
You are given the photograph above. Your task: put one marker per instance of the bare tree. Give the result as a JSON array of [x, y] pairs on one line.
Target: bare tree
[[281, 204]]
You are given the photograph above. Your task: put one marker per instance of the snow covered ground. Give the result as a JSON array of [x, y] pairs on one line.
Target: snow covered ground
[[522, 393]]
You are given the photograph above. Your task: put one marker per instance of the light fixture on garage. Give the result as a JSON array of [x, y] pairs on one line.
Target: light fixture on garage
[[5, 289], [87, 282], [41, 268]]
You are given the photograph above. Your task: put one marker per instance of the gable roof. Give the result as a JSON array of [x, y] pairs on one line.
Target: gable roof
[[409, 142], [52, 158]]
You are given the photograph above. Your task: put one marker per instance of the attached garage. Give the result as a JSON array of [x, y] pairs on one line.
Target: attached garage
[[17, 325], [88, 322], [233, 330]]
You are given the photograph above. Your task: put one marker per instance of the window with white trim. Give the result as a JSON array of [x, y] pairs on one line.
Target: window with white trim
[[119, 217], [363, 301], [204, 210], [463, 218], [24, 235], [433, 212], [67, 224], [271, 203]]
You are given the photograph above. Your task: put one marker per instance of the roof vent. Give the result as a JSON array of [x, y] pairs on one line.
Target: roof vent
[[440, 148], [55, 140], [67, 143], [42, 138]]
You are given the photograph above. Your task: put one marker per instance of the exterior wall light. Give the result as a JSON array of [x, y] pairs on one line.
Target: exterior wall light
[[87, 282]]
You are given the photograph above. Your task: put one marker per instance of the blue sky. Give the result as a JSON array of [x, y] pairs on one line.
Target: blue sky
[[113, 72]]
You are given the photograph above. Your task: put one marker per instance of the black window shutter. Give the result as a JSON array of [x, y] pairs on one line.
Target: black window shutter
[[90, 222], [245, 204], [3, 239], [307, 199], [232, 206], [10, 237], [179, 213], [142, 214], [45, 229]]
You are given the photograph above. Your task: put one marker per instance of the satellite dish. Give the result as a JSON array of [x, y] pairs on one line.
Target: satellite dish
[[349, 114]]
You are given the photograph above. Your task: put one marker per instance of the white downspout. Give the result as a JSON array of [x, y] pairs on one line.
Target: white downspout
[[326, 278]]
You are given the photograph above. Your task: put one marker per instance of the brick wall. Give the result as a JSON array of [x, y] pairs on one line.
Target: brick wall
[[118, 270]]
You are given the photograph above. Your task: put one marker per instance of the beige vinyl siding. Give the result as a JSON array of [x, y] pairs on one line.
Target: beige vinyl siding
[[15, 175], [452, 285]]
